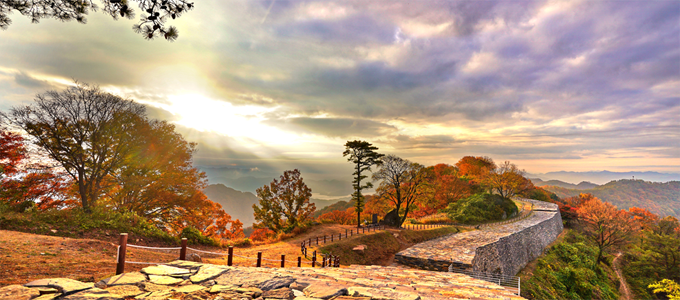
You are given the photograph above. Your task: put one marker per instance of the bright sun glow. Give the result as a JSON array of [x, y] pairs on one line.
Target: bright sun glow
[[241, 122]]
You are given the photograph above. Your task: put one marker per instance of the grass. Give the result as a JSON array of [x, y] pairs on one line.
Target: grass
[[381, 247]]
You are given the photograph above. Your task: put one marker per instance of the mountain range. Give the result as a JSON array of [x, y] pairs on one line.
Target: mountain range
[[660, 198], [602, 177]]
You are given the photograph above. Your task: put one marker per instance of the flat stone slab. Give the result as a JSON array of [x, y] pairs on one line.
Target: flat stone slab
[[165, 270], [164, 280], [94, 294], [207, 272], [325, 290], [131, 278], [189, 288], [18, 292], [64, 285], [381, 294]]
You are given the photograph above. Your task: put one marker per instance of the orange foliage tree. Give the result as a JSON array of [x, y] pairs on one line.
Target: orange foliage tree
[[402, 183], [210, 219], [342, 217], [445, 187], [475, 168], [508, 180], [605, 224], [284, 204], [25, 184]]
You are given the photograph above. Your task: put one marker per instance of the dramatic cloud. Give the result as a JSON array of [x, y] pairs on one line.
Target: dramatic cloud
[[264, 86]]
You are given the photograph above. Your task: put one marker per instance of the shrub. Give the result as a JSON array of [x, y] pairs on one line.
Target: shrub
[[194, 236], [480, 208]]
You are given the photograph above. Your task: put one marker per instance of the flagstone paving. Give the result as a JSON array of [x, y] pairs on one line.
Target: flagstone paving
[[222, 282]]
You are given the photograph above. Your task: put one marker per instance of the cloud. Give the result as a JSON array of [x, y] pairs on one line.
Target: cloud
[[343, 127]]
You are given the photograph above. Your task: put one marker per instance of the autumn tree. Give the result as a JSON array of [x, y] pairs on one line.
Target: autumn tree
[[507, 180], [284, 204], [476, 168], [342, 217], [23, 183], [606, 225], [155, 13], [446, 186], [90, 134], [210, 219], [402, 182], [362, 154]]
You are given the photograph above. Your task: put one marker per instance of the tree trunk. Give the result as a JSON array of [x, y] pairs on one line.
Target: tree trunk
[[358, 195]]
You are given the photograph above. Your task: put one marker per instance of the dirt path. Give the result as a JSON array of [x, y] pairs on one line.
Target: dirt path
[[623, 289]]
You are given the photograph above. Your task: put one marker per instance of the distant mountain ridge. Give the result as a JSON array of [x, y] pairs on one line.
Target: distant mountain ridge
[[660, 198], [583, 185], [602, 177]]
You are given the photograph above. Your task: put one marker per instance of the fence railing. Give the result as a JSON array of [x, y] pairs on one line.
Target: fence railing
[[319, 240], [327, 260], [511, 283]]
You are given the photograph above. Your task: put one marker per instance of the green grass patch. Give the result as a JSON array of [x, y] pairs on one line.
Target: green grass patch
[[568, 270], [380, 247], [76, 223]]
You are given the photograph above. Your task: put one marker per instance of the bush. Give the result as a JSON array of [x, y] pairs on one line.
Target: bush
[[194, 236], [481, 208]]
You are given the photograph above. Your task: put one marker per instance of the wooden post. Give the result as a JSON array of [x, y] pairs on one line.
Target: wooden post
[[331, 237], [314, 259], [323, 261], [317, 240], [339, 236], [299, 262], [324, 239], [183, 251], [230, 257], [259, 259], [283, 260], [345, 233], [120, 267]]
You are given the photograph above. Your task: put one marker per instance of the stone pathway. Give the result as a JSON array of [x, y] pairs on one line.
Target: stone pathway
[[189, 280]]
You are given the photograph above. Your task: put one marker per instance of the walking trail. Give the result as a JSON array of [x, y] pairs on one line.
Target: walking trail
[[624, 290]]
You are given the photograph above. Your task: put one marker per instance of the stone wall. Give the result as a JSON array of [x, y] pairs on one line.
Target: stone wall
[[511, 253], [504, 249]]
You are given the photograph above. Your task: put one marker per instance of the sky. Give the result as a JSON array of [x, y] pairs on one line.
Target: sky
[[266, 86]]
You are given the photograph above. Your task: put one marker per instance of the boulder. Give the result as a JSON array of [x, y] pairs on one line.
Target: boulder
[[359, 248], [392, 218], [18, 292]]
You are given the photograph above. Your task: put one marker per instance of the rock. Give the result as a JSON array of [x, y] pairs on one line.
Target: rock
[[131, 278], [207, 272], [18, 292], [380, 294], [189, 288], [64, 285], [194, 257], [157, 295], [324, 290], [152, 287], [126, 290], [392, 218], [44, 291], [187, 264], [250, 291], [306, 298], [53, 230], [164, 280], [283, 293], [353, 298], [221, 288], [276, 283], [165, 270], [244, 277], [48, 297], [93, 294], [359, 248], [298, 285]]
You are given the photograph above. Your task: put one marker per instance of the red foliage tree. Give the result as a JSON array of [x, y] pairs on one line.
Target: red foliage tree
[[342, 217]]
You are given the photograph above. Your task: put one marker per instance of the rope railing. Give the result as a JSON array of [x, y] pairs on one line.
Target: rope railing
[[122, 251]]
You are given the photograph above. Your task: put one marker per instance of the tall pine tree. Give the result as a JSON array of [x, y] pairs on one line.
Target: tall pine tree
[[362, 154]]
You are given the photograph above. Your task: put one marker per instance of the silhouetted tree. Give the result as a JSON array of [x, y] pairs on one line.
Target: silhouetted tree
[[90, 134], [284, 203], [362, 154], [507, 180], [152, 22]]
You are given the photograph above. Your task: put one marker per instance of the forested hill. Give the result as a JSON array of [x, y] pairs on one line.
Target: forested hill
[[660, 198], [584, 185]]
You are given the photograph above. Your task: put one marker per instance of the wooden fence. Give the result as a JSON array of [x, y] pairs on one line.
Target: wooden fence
[[327, 260]]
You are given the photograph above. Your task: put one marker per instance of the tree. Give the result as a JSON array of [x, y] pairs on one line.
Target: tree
[[284, 203], [476, 168], [89, 133], [605, 224], [445, 187], [402, 182], [210, 219], [362, 154], [24, 184], [668, 287], [508, 180], [152, 23]]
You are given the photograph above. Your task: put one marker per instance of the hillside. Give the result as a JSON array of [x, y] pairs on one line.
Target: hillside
[[602, 177], [660, 198], [583, 185], [240, 204]]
